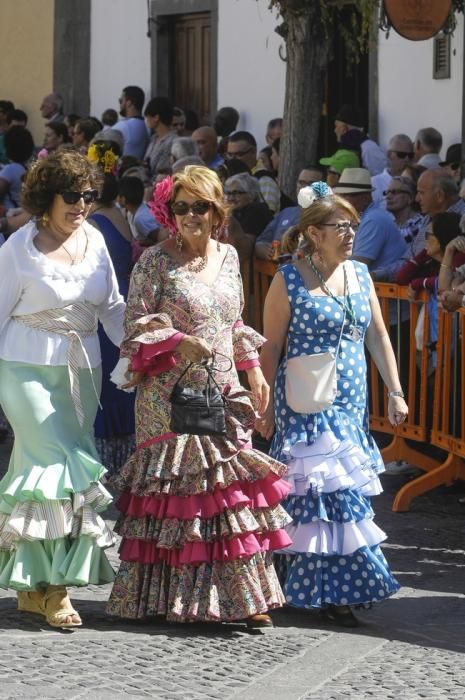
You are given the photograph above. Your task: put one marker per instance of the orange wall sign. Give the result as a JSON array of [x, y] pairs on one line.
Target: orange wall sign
[[417, 20]]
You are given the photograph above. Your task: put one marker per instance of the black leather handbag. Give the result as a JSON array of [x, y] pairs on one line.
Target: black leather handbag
[[198, 411]]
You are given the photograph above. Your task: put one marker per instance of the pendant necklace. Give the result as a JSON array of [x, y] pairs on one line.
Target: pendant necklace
[[194, 266], [354, 331], [74, 259]]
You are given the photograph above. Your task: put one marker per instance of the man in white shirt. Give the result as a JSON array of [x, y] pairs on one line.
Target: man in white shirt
[[132, 126], [399, 154]]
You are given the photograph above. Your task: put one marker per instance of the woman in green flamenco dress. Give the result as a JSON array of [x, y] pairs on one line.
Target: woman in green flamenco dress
[[57, 283]]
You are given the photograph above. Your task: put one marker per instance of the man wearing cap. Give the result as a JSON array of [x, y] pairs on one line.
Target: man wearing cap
[[349, 130], [399, 154], [343, 158], [452, 163], [378, 242], [287, 217]]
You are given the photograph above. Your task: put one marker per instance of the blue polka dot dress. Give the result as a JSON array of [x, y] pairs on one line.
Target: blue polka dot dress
[[333, 461]]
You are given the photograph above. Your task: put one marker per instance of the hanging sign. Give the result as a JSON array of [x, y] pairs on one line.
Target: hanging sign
[[417, 20]]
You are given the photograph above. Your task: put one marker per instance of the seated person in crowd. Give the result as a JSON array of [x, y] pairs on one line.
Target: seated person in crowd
[[399, 155], [17, 118], [451, 281], [178, 123], [400, 202], [109, 118], [242, 192], [182, 147], [19, 148], [242, 145], [144, 226], [427, 147], [437, 191], [265, 157], [206, 140], [423, 270], [84, 131], [453, 162], [350, 133], [274, 130], [55, 136], [287, 217], [336, 164], [378, 242]]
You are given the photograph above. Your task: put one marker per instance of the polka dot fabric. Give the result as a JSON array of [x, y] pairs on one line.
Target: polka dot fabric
[[333, 462]]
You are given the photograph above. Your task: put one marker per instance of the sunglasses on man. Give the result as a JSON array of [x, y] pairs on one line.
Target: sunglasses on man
[[88, 196], [402, 154], [239, 154]]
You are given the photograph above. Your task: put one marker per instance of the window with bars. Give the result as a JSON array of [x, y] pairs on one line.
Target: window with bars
[[441, 57]]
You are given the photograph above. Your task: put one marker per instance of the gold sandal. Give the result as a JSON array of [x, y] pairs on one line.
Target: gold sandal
[[58, 608], [31, 601]]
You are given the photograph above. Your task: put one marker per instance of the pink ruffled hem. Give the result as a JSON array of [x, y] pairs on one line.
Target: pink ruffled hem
[[195, 553], [263, 493]]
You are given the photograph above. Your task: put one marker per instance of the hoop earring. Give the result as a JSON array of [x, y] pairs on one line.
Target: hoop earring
[[178, 240]]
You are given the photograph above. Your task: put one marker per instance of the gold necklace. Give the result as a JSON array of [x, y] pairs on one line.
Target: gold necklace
[[194, 266], [74, 260]]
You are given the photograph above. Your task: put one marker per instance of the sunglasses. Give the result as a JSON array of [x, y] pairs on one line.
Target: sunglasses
[[239, 154], [198, 207], [234, 193], [387, 192], [88, 196], [403, 154]]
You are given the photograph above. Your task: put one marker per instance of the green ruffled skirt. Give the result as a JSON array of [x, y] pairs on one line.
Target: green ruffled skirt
[[50, 498]]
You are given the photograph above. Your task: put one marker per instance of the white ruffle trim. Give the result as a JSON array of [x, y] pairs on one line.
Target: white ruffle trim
[[119, 375], [51, 520], [333, 538], [330, 465]]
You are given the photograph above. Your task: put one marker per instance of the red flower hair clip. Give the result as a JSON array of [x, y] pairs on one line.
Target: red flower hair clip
[[160, 204]]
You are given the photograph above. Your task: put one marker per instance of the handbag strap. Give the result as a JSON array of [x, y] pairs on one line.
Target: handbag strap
[[209, 367]]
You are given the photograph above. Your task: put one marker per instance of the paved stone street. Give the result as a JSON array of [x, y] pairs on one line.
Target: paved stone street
[[410, 647]]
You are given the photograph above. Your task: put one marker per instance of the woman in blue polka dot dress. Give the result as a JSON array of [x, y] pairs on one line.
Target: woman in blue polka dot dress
[[319, 303]]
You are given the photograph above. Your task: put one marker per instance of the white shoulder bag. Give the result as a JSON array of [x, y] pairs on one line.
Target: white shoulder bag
[[311, 383]]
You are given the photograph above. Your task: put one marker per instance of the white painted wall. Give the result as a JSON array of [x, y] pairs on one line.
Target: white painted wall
[[119, 51], [409, 98], [251, 76]]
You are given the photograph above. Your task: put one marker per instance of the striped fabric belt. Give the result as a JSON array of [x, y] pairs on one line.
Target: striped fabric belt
[[75, 322]]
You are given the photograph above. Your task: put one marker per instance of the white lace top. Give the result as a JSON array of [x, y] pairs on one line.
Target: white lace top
[[31, 282]]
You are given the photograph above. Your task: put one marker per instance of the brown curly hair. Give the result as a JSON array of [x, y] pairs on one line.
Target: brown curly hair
[[61, 171]]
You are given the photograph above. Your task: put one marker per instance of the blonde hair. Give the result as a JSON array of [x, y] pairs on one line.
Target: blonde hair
[[201, 182], [316, 214]]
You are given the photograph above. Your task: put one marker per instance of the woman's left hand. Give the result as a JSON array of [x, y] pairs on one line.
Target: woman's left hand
[[259, 388], [411, 293], [397, 410]]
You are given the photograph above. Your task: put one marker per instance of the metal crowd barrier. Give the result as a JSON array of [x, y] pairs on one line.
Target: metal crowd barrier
[[435, 415]]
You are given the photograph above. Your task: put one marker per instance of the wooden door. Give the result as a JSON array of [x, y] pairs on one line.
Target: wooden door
[[192, 69]]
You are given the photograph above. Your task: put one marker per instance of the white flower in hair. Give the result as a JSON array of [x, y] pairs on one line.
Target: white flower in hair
[[309, 194]]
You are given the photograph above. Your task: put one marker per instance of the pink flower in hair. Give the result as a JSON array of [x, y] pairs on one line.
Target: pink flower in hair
[[160, 204]]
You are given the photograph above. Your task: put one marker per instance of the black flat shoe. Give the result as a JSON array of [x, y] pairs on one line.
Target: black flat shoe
[[340, 615], [259, 621]]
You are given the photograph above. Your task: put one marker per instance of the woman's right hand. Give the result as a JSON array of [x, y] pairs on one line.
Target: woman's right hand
[[194, 349]]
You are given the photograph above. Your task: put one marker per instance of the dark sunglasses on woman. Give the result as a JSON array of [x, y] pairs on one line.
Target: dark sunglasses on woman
[[88, 196], [198, 207]]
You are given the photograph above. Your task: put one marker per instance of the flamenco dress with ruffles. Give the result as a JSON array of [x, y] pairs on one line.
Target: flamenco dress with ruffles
[[200, 515], [51, 530], [335, 557]]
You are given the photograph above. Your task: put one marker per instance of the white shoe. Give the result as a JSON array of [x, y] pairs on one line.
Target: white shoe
[[399, 468]]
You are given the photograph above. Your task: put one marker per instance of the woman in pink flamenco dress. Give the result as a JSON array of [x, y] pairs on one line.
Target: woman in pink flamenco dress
[[200, 515]]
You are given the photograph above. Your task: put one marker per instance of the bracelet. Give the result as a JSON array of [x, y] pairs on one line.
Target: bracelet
[[396, 393], [448, 267]]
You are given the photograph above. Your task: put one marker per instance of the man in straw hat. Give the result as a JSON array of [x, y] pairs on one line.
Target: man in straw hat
[[378, 242]]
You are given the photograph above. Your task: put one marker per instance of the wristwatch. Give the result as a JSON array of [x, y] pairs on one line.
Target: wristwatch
[[396, 393]]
